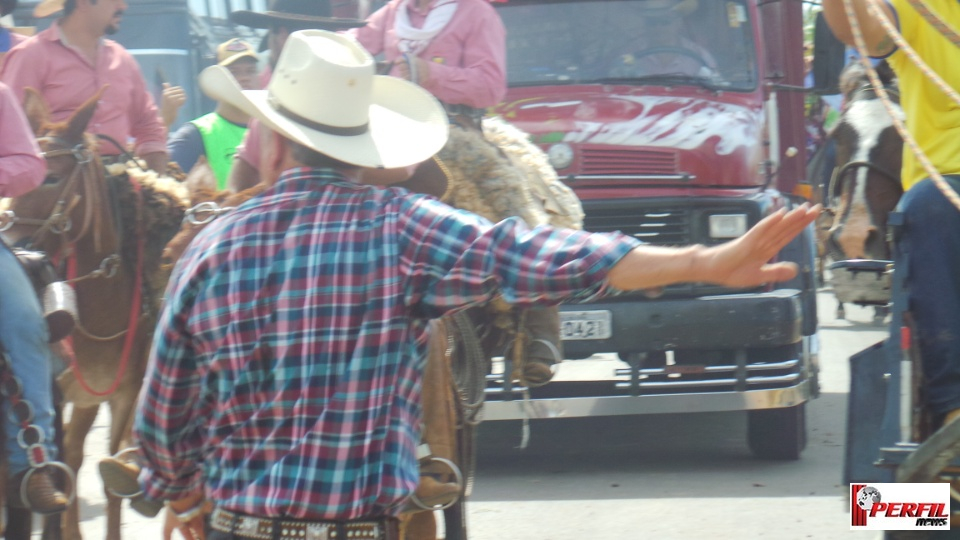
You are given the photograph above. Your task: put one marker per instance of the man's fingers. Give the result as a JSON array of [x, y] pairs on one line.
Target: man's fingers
[[793, 224], [782, 271]]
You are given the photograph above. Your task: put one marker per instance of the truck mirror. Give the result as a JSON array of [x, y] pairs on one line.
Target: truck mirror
[[829, 58]]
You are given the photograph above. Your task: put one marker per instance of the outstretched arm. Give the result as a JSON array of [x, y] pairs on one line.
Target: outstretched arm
[[877, 41], [739, 263]]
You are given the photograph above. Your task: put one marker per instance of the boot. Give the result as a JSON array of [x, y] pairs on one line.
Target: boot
[[543, 329], [42, 495], [120, 479]]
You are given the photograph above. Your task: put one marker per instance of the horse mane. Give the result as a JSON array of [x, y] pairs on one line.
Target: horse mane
[[162, 203], [854, 76]]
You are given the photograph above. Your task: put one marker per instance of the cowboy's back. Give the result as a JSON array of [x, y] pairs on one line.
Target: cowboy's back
[[295, 328]]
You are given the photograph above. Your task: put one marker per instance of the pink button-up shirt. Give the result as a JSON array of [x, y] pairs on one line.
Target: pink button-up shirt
[[21, 167], [467, 58], [66, 79]]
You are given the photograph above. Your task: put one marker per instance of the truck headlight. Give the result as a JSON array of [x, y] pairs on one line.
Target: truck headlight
[[560, 155], [728, 225]]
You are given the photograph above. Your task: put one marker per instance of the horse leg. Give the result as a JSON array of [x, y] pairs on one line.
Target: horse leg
[[75, 434], [122, 405]]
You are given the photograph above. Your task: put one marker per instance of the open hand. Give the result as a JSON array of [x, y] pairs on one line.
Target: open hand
[[171, 99], [743, 262]]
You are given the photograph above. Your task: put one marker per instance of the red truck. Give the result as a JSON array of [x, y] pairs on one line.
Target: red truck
[[676, 122]]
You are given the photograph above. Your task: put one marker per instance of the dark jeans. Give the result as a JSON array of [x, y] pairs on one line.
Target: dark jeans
[[931, 238]]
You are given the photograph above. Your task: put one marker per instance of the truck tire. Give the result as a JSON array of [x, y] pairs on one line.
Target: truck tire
[[779, 434]]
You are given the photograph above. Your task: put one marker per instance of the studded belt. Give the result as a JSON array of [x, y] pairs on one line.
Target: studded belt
[[257, 528]]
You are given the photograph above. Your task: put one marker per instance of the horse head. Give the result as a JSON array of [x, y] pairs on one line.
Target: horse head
[[208, 204], [72, 200], [866, 182]]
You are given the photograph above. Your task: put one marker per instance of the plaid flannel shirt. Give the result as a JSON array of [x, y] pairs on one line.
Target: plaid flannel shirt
[[285, 373]]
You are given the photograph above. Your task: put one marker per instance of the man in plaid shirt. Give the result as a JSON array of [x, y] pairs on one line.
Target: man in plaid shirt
[[284, 383]]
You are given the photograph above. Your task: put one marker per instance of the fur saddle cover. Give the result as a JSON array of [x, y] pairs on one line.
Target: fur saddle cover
[[500, 174], [163, 204]]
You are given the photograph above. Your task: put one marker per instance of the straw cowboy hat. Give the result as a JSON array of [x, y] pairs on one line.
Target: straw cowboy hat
[[48, 8], [296, 14], [325, 95]]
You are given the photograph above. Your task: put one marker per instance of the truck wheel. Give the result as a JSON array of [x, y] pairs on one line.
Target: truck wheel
[[777, 433]]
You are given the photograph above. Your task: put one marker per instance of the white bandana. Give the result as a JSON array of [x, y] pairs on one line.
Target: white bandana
[[414, 40]]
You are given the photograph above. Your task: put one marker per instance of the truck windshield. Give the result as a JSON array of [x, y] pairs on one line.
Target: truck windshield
[[706, 43]]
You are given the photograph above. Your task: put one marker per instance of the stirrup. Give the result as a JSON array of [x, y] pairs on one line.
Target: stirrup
[[425, 456], [70, 492]]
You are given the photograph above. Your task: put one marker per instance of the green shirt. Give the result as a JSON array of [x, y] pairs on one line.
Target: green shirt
[[220, 140]]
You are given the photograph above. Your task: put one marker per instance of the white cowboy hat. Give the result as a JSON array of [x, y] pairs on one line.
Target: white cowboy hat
[[325, 95], [47, 8]]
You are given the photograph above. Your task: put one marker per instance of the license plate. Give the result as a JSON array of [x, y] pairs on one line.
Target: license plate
[[584, 325]]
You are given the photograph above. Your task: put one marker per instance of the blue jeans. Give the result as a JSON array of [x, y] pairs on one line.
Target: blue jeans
[[931, 239], [23, 333]]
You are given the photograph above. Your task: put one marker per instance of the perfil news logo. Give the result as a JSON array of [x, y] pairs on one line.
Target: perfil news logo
[[899, 507]]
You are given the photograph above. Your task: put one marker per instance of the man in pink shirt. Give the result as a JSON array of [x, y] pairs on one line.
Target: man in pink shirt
[[70, 61], [24, 350], [455, 49]]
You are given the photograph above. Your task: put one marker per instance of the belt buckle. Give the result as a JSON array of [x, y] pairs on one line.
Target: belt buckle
[[248, 525], [316, 531]]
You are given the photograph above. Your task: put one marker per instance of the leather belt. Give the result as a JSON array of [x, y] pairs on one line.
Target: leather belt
[[257, 528]]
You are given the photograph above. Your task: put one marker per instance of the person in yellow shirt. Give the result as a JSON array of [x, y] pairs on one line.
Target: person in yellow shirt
[[931, 232]]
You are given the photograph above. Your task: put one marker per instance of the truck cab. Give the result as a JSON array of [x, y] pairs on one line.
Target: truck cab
[[677, 122]]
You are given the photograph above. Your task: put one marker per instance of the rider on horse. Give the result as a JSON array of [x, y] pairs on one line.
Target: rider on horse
[[70, 62], [456, 50], [931, 229], [25, 358]]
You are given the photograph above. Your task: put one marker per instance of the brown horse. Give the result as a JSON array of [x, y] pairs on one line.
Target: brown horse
[[104, 232], [865, 186]]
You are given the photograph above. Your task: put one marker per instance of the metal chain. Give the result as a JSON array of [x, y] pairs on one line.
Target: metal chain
[[30, 437]]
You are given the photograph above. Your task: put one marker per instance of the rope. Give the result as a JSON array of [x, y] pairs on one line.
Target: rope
[[877, 12], [935, 21]]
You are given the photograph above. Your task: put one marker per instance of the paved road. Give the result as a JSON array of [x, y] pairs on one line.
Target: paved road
[[664, 477]]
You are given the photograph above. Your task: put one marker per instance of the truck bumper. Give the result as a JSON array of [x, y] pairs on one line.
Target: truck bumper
[[707, 322], [715, 353], [572, 407]]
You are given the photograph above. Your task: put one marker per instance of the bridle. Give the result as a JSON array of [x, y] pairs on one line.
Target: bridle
[[85, 184], [75, 190]]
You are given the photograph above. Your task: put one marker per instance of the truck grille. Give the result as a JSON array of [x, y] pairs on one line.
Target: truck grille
[[666, 226], [617, 161]]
